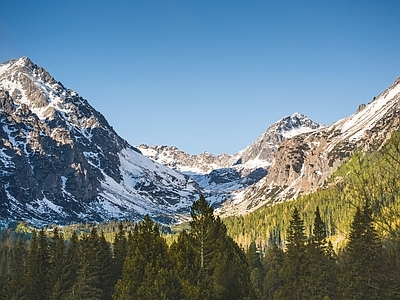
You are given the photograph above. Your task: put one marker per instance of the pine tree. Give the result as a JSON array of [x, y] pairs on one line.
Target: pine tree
[[72, 266], [187, 264], [204, 230], [363, 259], [295, 264], [5, 252], [38, 266], [231, 273], [320, 278], [15, 288], [319, 232], [272, 262], [105, 267], [87, 284], [257, 272], [223, 268], [57, 266], [148, 272], [119, 252]]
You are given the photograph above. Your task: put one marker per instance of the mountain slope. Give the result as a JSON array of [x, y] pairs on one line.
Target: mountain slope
[[224, 175], [303, 163], [61, 161]]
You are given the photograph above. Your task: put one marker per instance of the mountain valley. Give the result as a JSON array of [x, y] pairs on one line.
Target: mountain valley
[[61, 161]]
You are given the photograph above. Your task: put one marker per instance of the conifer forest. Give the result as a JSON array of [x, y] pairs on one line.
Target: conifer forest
[[342, 242]]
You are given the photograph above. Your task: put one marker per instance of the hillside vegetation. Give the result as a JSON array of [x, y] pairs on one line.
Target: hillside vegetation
[[372, 177], [342, 242]]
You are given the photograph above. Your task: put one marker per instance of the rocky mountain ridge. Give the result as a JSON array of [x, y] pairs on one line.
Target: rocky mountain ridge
[[62, 162], [222, 175], [303, 163]]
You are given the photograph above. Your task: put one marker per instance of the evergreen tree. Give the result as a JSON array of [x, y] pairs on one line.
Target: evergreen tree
[[295, 265], [204, 230], [72, 265], [256, 269], [119, 251], [5, 252], [38, 262], [231, 273], [148, 272], [57, 266], [187, 263], [15, 287], [224, 272], [105, 267], [272, 262], [318, 239], [363, 259], [320, 278], [87, 284]]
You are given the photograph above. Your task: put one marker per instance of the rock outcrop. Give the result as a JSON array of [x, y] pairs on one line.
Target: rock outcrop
[[61, 161], [224, 175], [303, 163]]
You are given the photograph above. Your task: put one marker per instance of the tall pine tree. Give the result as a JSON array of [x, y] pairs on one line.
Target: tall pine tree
[[15, 288], [71, 266], [224, 271], [363, 259], [295, 265], [148, 272], [321, 276], [57, 266], [38, 267], [119, 252]]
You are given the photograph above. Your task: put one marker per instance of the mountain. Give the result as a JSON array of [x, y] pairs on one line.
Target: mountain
[[224, 175], [62, 162], [303, 163]]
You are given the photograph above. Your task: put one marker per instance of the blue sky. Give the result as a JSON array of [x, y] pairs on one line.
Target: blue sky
[[209, 75]]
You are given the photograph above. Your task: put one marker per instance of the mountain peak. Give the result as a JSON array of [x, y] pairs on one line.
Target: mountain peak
[[297, 115], [61, 161], [295, 124], [25, 61]]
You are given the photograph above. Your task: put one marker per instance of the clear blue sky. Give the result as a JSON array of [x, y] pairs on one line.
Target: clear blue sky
[[209, 75]]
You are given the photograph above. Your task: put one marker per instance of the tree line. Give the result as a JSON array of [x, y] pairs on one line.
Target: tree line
[[279, 252], [202, 263], [309, 268], [373, 176]]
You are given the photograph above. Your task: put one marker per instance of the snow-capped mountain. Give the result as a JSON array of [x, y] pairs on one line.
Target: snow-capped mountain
[[224, 175], [304, 162], [60, 161]]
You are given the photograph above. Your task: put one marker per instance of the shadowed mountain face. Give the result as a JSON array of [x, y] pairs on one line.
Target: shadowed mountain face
[[61, 161]]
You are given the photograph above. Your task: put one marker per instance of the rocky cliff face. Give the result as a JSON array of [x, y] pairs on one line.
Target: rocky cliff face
[[304, 162], [61, 161], [224, 175]]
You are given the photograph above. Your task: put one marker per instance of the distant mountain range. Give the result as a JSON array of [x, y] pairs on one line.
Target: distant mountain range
[[61, 162], [223, 176]]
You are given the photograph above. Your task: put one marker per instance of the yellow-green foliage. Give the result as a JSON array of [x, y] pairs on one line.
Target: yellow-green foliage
[[372, 177]]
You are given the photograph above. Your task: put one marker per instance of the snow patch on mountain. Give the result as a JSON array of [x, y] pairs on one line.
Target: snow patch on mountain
[[61, 161], [226, 176], [304, 162]]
